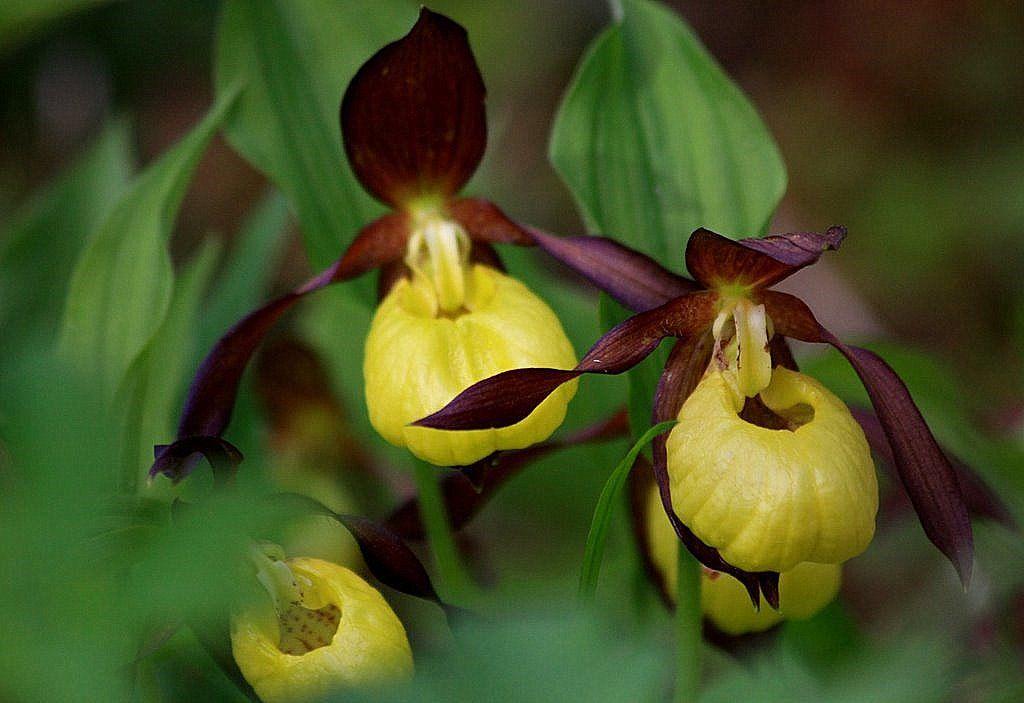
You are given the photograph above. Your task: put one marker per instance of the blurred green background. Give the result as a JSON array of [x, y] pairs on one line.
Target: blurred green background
[[900, 120]]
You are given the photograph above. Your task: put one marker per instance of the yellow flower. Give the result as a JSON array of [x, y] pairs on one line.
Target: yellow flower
[[769, 499], [448, 326], [342, 634], [804, 590]]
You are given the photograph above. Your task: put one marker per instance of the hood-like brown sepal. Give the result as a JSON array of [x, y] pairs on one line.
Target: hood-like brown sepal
[[715, 260], [413, 117]]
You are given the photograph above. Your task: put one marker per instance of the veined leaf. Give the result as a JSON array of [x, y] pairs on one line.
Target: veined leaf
[[148, 395], [243, 283], [20, 18], [38, 249], [122, 284], [606, 503], [654, 140], [296, 58]]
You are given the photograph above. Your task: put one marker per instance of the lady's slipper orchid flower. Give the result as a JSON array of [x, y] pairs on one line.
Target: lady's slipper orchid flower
[[805, 589], [414, 128], [322, 630], [730, 330]]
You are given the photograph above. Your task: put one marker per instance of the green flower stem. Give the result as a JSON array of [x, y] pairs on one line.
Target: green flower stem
[[456, 584], [688, 628]]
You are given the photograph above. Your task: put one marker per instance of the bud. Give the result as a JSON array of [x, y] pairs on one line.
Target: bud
[[804, 590], [327, 631], [769, 499], [432, 338]]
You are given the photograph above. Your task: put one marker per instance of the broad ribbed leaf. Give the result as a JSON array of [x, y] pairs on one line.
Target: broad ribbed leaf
[[123, 281], [248, 268], [654, 140], [296, 58], [39, 247]]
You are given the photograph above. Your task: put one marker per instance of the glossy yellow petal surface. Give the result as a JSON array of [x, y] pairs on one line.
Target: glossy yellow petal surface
[[369, 646], [770, 499], [803, 591], [418, 359]]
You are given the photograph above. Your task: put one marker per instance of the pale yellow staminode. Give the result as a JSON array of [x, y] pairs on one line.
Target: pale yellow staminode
[[749, 329], [432, 338], [804, 590], [342, 635], [769, 499]]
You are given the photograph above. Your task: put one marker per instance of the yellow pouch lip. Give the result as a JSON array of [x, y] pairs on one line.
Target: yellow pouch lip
[[417, 360], [804, 590], [369, 646], [769, 499]]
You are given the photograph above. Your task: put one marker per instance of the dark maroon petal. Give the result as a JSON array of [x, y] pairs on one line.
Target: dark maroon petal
[[981, 501], [683, 370], [178, 460], [389, 559], [633, 279], [926, 474], [413, 117], [485, 222], [511, 396], [715, 260], [468, 490], [211, 397]]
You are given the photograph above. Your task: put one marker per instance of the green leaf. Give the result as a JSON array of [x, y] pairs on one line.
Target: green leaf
[[20, 18], [654, 140], [122, 284], [594, 552], [39, 248], [296, 59], [243, 283], [147, 396]]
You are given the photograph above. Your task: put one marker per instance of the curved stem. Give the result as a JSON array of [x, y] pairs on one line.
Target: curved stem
[[456, 584], [688, 628]]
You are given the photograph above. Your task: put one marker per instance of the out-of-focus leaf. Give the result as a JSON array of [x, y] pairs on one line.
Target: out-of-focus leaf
[[606, 503], [537, 656], [38, 249], [19, 18], [147, 396], [296, 58], [654, 140], [243, 282], [917, 670], [123, 281], [55, 445]]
